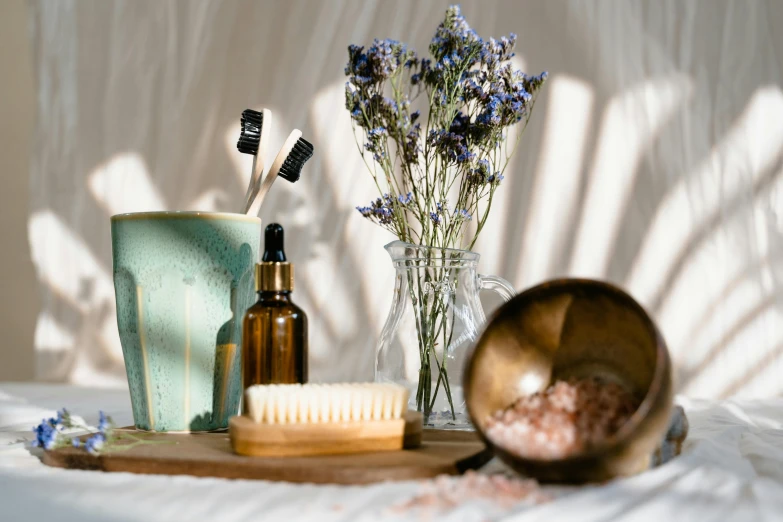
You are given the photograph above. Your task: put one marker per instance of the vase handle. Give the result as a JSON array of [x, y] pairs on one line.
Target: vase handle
[[497, 285]]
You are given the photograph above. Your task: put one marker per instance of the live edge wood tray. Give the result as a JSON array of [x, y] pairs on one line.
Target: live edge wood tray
[[210, 455]]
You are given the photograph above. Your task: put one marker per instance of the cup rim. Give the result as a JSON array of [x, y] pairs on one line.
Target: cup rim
[[179, 214]]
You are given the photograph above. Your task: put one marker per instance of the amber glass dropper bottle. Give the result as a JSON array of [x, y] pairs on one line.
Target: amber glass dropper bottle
[[274, 331]]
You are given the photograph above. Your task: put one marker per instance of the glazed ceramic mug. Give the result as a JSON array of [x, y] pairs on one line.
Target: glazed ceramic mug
[[183, 281]]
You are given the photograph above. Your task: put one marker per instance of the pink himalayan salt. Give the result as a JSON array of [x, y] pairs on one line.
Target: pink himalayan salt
[[565, 419]]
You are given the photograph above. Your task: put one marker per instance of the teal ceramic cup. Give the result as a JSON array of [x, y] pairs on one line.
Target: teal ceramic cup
[[183, 281]]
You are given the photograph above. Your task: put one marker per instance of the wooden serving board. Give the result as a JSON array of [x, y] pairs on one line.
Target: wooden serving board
[[210, 455]]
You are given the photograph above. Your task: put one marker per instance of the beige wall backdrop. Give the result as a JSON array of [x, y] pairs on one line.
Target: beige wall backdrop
[[653, 160], [17, 117]]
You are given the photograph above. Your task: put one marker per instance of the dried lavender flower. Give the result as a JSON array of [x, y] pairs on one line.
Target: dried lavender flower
[[473, 96]]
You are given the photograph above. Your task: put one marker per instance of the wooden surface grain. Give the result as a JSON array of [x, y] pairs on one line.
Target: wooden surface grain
[[210, 455]]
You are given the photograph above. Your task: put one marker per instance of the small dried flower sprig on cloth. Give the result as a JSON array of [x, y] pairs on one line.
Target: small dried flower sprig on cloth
[[51, 434], [436, 174]]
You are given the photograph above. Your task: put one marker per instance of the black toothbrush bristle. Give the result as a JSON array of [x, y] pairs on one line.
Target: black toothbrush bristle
[[292, 166], [250, 133]]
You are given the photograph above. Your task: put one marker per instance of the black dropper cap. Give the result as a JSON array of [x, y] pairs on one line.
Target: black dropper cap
[[273, 244]]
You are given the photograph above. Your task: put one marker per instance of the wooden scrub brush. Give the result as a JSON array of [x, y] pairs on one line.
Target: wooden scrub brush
[[286, 420]]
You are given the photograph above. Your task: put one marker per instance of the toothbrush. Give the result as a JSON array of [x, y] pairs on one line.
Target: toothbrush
[[254, 139], [288, 165]]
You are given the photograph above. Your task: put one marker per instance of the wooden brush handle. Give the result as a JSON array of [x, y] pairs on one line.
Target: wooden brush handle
[[324, 438], [252, 186]]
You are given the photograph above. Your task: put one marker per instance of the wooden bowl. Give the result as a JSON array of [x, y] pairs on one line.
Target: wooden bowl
[[573, 328]]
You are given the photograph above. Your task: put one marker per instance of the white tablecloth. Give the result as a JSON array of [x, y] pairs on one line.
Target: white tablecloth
[[732, 469]]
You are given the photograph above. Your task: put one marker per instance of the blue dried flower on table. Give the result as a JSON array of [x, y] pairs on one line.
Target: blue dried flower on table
[[94, 444], [50, 435]]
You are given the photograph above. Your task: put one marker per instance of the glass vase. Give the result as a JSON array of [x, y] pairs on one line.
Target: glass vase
[[435, 316]]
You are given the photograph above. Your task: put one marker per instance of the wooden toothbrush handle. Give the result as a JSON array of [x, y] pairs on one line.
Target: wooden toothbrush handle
[[285, 150], [261, 194], [253, 185]]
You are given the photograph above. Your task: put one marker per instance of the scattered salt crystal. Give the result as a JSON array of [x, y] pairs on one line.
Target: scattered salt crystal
[[446, 492]]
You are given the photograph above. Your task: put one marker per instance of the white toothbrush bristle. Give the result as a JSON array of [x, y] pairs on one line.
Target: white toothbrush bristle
[[356, 404], [303, 411], [388, 403], [345, 405], [293, 404], [367, 398], [377, 403], [282, 407], [316, 403], [400, 398], [269, 407], [256, 400], [325, 406]]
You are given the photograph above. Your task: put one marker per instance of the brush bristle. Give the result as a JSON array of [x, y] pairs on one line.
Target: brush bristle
[[316, 403], [292, 166], [250, 133]]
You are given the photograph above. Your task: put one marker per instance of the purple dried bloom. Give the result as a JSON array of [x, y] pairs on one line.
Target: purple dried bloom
[[94, 444], [384, 215], [450, 145], [478, 175], [103, 422], [453, 36], [490, 116], [463, 214], [472, 90], [474, 94], [461, 124], [411, 148], [377, 133], [495, 178], [46, 434], [465, 157]]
